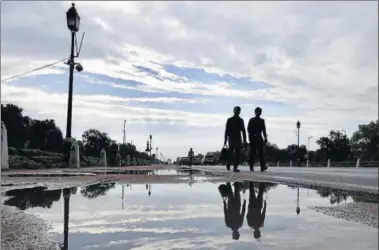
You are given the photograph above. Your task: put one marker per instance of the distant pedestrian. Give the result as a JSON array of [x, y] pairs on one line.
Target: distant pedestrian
[[234, 126], [190, 156], [256, 128]]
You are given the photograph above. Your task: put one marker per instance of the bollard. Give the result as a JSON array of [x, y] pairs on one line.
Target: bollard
[[74, 155], [277, 164], [127, 160], [118, 160], [103, 158], [134, 162], [358, 163], [328, 164], [291, 163], [307, 163], [4, 147]]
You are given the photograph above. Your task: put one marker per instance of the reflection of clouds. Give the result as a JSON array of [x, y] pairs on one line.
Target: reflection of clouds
[[182, 219], [115, 229], [201, 242], [83, 220]]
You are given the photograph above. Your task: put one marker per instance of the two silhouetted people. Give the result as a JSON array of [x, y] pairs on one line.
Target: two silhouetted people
[[256, 127], [234, 126], [233, 214]]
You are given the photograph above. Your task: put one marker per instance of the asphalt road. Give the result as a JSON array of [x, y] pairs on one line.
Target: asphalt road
[[349, 179]]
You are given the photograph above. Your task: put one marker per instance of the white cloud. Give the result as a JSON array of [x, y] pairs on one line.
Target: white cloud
[[320, 57]]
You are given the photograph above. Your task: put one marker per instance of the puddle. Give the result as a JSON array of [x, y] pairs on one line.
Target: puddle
[[182, 216]]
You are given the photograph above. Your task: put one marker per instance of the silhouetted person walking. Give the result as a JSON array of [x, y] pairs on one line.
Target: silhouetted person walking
[[190, 156], [232, 209], [255, 214], [234, 126], [256, 128]]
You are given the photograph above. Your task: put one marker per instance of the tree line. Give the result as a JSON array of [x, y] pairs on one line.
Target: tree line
[[336, 146], [24, 132]]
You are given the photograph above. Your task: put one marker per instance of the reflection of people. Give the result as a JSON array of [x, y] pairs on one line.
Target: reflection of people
[[255, 214], [232, 208], [234, 126], [256, 127]]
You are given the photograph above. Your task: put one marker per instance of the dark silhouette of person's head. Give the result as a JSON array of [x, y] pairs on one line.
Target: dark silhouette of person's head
[[257, 233], [258, 111], [235, 235], [237, 111]]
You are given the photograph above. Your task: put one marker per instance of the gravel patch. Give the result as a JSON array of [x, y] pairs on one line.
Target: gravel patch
[[360, 212], [21, 231]]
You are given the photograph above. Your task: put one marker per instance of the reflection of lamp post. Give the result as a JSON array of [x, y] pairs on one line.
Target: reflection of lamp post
[[122, 197], [66, 196], [298, 201]]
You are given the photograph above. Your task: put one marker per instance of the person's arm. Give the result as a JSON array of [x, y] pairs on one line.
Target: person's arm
[[264, 213], [226, 131], [264, 130], [249, 125], [225, 214], [243, 131], [242, 216]]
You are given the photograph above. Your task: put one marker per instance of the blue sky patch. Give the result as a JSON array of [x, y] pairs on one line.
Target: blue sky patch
[[200, 75]]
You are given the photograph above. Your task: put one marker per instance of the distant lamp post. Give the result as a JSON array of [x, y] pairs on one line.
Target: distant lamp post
[[298, 142], [309, 138], [151, 143]]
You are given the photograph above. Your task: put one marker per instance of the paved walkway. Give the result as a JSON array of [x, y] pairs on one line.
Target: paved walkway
[[349, 179]]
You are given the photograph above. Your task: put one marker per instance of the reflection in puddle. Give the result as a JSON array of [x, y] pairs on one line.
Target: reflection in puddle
[[231, 215]]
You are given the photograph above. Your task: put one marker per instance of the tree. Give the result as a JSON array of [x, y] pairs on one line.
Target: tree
[[127, 149], [94, 140], [54, 140], [365, 141], [294, 152], [38, 132], [14, 121], [335, 147], [95, 190]]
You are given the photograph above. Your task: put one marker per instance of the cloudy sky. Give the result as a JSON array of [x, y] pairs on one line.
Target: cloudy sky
[[177, 69]]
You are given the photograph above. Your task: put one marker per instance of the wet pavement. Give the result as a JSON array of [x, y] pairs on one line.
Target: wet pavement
[[191, 215]]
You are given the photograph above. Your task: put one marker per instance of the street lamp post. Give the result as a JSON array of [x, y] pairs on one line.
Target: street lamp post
[[73, 22], [309, 138], [298, 142], [151, 145], [156, 153]]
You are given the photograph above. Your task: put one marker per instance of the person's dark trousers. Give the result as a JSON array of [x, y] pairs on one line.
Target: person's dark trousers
[[256, 144], [256, 201], [234, 153], [235, 197], [190, 162]]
